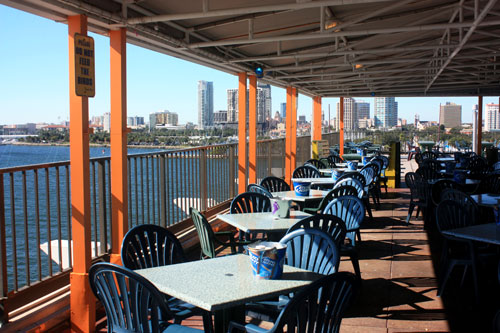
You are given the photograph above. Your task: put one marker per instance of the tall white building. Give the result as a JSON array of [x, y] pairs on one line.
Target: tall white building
[[350, 114], [232, 105], [205, 104], [492, 117], [106, 122], [264, 102], [386, 112]]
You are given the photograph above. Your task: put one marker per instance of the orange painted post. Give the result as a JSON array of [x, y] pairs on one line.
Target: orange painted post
[[317, 118], [242, 132], [119, 180], [341, 126], [293, 149], [479, 124], [82, 301], [252, 130], [288, 136]]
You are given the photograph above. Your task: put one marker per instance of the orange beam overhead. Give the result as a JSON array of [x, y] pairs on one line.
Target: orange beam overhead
[[293, 149], [288, 135], [242, 132], [119, 180], [82, 301], [252, 130], [341, 125], [317, 118]]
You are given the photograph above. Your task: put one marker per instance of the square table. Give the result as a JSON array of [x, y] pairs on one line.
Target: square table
[[262, 222], [222, 284], [487, 199], [486, 233]]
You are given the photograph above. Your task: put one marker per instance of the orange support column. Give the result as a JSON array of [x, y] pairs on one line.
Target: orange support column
[[479, 124], [293, 149], [252, 130], [119, 181], [316, 118], [288, 136], [341, 126], [82, 300], [242, 132]]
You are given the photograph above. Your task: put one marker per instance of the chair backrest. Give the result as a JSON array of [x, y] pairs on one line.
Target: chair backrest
[[131, 303], [328, 162], [316, 163], [331, 224], [458, 196], [205, 233], [259, 189], [149, 245], [451, 215], [489, 184], [354, 175], [427, 173], [351, 210], [432, 164], [416, 184], [306, 171], [344, 189], [418, 158], [439, 186], [313, 250], [351, 182], [385, 160], [320, 306], [369, 173], [335, 158], [274, 184], [478, 167], [429, 154], [250, 202]]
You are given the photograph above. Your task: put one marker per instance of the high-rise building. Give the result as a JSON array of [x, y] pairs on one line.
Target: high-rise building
[[362, 110], [283, 110], [350, 117], [232, 105], [386, 112], [205, 104], [135, 121], [264, 102], [450, 115], [162, 118], [220, 117], [492, 117], [106, 122]]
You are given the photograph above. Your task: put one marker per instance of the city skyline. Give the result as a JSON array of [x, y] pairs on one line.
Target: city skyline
[[154, 81]]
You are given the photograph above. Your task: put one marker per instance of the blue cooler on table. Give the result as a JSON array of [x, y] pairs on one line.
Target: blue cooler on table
[[365, 160], [267, 259], [352, 165], [301, 188], [336, 174]]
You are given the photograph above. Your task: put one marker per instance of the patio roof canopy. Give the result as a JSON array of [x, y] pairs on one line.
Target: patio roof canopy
[[323, 48]]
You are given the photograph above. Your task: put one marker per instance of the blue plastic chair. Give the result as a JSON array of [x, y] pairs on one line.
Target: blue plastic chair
[[274, 184], [351, 210], [351, 182], [259, 189], [150, 245], [132, 303], [310, 249], [335, 227], [318, 307], [306, 171], [250, 202]]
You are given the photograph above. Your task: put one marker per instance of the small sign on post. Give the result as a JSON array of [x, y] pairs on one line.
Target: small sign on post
[[84, 66]]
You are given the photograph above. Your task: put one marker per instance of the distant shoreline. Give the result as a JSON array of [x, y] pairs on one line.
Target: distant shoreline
[[99, 145]]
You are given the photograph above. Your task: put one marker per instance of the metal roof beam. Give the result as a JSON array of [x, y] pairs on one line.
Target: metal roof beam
[[247, 10], [469, 33], [330, 35]]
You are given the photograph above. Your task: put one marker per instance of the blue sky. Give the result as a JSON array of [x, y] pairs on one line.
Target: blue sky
[[34, 79]]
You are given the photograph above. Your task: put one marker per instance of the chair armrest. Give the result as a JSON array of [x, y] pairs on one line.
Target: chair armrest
[[236, 327], [311, 210]]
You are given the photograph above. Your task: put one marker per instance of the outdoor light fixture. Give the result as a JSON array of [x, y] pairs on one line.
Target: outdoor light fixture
[[259, 71]]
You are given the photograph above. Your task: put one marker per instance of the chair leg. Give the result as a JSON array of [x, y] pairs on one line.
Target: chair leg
[[369, 209], [410, 211], [355, 264], [418, 211], [445, 279], [474, 271], [208, 325]]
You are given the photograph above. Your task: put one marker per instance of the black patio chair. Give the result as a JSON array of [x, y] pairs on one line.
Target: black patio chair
[[274, 184], [132, 303], [429, 154], [335, 227], [306, 171], [458, 196], [456, 251], [418, 194], [489, 184], [335, 158], [438, 187], [478, 168], [428, 173], [259, 189], [318, 307], [316, 163], [328, 162], [250, 202]]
